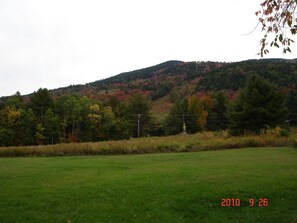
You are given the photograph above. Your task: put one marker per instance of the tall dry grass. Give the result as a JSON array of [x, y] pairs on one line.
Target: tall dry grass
[[180, 143]]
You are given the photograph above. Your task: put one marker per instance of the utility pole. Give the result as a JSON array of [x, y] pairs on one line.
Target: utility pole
[[138, 125], [184, 125]]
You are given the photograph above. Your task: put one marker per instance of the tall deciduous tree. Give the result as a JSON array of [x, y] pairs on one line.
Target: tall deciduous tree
[[16, 127], [198, 108], [259, 104], [94, 123], [69, 109], [10, 123]]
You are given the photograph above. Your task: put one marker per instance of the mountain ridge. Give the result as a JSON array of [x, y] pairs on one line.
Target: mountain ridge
[[149, 69]]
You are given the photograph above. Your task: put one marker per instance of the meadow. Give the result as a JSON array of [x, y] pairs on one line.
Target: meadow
[[164, 187], [204, 141]]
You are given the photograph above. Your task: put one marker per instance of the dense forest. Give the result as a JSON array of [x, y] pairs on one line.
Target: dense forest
[[243, 97]]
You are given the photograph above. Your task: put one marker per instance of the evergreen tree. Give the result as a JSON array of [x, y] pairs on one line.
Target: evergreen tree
[[29, 127], [51, 127], [15, 101], [60, 110], [41, 101], [108, 123], [292, 106], [217, 118], [259, 104], [114, 103], [85, 130], [174, 122]]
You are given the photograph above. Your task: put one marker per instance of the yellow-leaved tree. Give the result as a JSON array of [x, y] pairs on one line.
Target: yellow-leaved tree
[[199, 106]]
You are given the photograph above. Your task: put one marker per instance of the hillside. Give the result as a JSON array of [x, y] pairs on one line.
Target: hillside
[[282, 73], [166, 82], [156, 81]]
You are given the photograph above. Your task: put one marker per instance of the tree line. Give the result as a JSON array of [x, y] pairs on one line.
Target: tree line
[[260, 105], [72, 118]]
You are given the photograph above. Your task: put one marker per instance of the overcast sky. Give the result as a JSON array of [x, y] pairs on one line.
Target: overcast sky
[[55, 43]]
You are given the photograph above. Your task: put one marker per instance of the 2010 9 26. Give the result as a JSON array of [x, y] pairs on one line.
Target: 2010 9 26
[[236, 202]]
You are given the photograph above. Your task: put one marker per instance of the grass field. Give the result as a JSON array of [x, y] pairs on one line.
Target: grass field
[[164, 187]]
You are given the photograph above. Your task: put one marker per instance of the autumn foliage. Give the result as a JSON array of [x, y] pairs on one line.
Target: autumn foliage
[[167, 99], [277, 18]]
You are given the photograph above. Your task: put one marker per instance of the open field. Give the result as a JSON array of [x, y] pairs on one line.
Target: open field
[[171, 187], [204, 141]]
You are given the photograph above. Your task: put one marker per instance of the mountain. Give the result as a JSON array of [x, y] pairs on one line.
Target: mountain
[[166, 82], [157, 80], [171, 80]]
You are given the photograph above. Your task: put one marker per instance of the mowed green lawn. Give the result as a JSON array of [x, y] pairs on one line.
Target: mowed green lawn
[[172, 187]]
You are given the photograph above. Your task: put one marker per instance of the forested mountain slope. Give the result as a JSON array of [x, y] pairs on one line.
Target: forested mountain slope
[[169, 81], [281, 72]]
